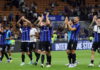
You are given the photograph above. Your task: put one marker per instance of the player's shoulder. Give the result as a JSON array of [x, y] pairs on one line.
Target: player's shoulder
[[33, 29], [95, 25]]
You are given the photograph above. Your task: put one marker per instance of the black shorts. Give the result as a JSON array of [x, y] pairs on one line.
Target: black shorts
[[8, 47], [45, 46], [95, 46], [32, 46], [72, 45], [3, 47], [24, 46]]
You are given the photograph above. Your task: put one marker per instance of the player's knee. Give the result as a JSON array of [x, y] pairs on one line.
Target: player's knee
[[92, 52], [23, 53], [49, 53], [43, 52], [73, 51], [68, 52]]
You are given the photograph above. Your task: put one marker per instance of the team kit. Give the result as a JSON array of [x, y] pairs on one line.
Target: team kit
[[41, 31]]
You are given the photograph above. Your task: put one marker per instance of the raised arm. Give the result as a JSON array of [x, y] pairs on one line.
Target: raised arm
[[94, 20], [40, 19], [26, 20], [18, 23], [47, 18], [66, 21], [68, 24]]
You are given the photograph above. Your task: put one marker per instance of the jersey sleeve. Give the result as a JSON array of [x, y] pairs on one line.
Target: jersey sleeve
[[20, 30], [35, 30], [31, 32], [95, 28], [77, 26]]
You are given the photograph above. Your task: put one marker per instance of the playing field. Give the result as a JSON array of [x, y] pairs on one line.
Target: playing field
[[59, 59]]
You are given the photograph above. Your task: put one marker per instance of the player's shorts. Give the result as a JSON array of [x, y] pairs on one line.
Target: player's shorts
[[32, 46], [4, 48], [24, 46], [8, 47], [72, 45], [1, 47], [45, 46], [95, 46]]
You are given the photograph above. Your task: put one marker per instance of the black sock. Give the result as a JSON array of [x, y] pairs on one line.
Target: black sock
[[73, 58], [6, 55], [69, 58], [49, 59], [23, 58], [37, 56], [92, 61], [42, 59], [0, 58], [30, 56]]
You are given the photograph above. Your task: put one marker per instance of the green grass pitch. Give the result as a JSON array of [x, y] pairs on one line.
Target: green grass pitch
[[59, 59]]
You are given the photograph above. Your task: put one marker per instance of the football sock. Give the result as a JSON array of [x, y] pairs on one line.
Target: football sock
[[69, 58], [92, 61], [73, 58], [30, 56], [37, 56], [49, 59], [23, 58], [42, 59]]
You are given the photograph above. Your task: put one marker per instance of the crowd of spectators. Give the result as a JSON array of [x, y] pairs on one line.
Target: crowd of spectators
[[80, 9]]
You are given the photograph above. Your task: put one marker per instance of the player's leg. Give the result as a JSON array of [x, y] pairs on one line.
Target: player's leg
[[48, 59], [23, 58], [68, 51], [37, 52], [4, 52], [48, 54], [23, 49], [29, 53], [92, 59], [0, 53], [99, 51], [73, 56], [73, 51], [94, 48], [42, 58], [9, 52]]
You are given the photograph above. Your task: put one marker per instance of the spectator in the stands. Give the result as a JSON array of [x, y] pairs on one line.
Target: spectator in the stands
[[5, 20], [17, 17], [21, 2], [34, 6], [10, 17], [54, 4], [0, 19]]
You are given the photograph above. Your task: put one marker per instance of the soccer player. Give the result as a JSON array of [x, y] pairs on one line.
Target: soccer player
[[25, 38], [8, 38], [0, 42], [45, 39], [72, 44], [3, 45], [96, 43], [33, 39]]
